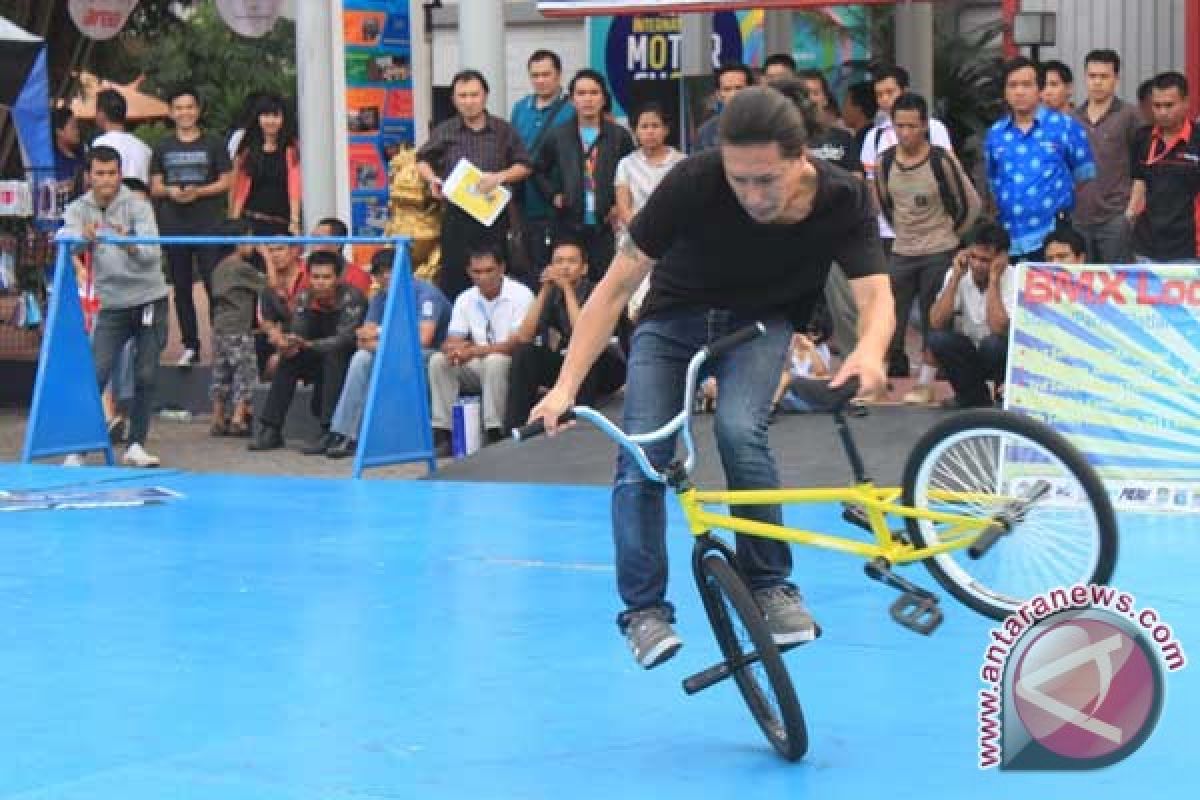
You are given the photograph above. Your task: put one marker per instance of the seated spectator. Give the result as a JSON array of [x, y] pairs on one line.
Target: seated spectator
[[551, 318], [1065, 245], [236, 284], [317, 346], [969, 320], [332, 226], [286, 278], [809, 362], [477, 353], [433, 317]]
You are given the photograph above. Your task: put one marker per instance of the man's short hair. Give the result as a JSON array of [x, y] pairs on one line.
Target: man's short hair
[[335, 225], [103, 155], [112, 103], [1144, 90], [545, 55], [383, 260], [60, 116], [1065, 234], [818, 75], [1019, 63], [468, 75], [1058, 68], [566, 240], [1171, 80], [911, 101], [990, 234], [780, 59], [1104, 56], [485, 249], [184, 90], [325, 258], [735, 66], [793, 88], [762, 115], [862, 94], [896, 73]]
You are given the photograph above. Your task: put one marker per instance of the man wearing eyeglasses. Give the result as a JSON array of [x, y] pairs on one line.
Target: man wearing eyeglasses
[[477, 354]]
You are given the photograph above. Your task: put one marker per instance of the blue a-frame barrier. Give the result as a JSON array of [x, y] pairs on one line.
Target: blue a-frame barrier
[[67, 416]]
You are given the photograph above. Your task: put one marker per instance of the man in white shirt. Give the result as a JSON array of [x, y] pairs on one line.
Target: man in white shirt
[[890, 83], [477, 353], [135, 154], [969, 320]]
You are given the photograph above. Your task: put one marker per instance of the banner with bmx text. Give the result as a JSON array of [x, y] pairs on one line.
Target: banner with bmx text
[[1110, 357]]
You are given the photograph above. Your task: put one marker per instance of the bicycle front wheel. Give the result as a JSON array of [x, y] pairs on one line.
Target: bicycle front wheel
[[753, 657], [987, 463]]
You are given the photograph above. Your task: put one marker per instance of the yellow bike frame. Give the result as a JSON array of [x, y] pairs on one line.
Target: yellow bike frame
[[878, 504]]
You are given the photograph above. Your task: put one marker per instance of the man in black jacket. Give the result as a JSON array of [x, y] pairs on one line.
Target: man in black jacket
[[576, 169], [316, 347]]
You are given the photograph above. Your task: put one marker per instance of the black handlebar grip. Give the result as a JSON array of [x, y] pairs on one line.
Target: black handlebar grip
[[727, 343], [987, 540], [826, 399], [537, 428]]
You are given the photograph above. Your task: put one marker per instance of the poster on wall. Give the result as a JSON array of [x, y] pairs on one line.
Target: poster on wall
[[379, 106], [642, 57], [1110, 357], [835, 40], [250, 18]]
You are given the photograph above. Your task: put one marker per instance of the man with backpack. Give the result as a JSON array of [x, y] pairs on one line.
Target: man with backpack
[[929, 201]]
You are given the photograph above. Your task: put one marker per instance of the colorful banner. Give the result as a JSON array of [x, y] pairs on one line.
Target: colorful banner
[[581, 8], [250, 18], [828, 38], [100, 19], [646, 49], [379, 106], [1110, 356]]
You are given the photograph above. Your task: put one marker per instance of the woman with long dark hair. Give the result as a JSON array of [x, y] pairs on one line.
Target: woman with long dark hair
[[266, 172]]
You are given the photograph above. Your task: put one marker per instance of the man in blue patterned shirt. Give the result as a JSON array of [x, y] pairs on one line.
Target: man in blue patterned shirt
[[1035, 156]]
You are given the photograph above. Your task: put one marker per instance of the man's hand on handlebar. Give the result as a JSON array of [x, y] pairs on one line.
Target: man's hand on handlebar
[[557, 402], [872, 377]]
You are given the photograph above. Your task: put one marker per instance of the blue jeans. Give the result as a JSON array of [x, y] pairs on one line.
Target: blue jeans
[[347, 417], [746, 380], [115, 327]]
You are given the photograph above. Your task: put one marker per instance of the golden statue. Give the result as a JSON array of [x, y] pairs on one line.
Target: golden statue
[[414, 213]]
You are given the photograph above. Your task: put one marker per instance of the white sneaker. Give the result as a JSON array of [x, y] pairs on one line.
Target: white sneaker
[[73, 460], [136, 456], [188, 358]]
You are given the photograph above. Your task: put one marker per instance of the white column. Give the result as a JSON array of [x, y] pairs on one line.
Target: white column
[[778, 32], [315, 42], [914, 45], [481, 47], [422, 65]]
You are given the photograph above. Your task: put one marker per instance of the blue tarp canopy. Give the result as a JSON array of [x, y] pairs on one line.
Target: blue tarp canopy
[[24, 89]]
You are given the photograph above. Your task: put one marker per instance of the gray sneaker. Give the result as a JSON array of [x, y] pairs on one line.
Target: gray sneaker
[[787, 618], [651, 637]]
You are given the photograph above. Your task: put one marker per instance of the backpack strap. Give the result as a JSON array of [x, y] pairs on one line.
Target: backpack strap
[[953, 197], [886, 160]]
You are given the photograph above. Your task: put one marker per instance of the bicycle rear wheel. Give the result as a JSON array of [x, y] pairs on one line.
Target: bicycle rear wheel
[[742, 632], [984, 463]]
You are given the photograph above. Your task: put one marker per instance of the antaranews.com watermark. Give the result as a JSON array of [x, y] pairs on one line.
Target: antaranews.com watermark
[[1073, 680]]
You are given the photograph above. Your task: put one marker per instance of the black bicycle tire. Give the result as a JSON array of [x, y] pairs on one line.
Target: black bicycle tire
[[1048, 438], [789, 734]]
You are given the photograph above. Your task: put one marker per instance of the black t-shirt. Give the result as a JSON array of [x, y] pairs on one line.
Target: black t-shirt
[[711, 254], [197, 163], [555, 314], [268, 189], [1172, 193], [836, 146]]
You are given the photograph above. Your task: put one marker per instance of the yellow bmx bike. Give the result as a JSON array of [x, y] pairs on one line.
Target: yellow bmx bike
[[997, 506]]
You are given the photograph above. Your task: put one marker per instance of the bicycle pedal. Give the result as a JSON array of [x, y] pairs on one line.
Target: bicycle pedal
[[918, 613]]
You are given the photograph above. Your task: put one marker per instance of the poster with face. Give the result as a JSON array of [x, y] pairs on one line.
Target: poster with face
[[250, 18], [100, 19]]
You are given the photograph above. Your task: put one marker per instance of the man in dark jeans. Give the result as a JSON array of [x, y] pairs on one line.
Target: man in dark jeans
[[129, 284], [489, 143], [552, 316], [189, 176], [744, 233], [316, 347]]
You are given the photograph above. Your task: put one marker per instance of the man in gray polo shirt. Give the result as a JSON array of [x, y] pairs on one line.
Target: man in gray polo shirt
[[1111, 126]]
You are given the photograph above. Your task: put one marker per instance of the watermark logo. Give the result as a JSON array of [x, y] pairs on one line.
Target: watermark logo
[[1074, 680]]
